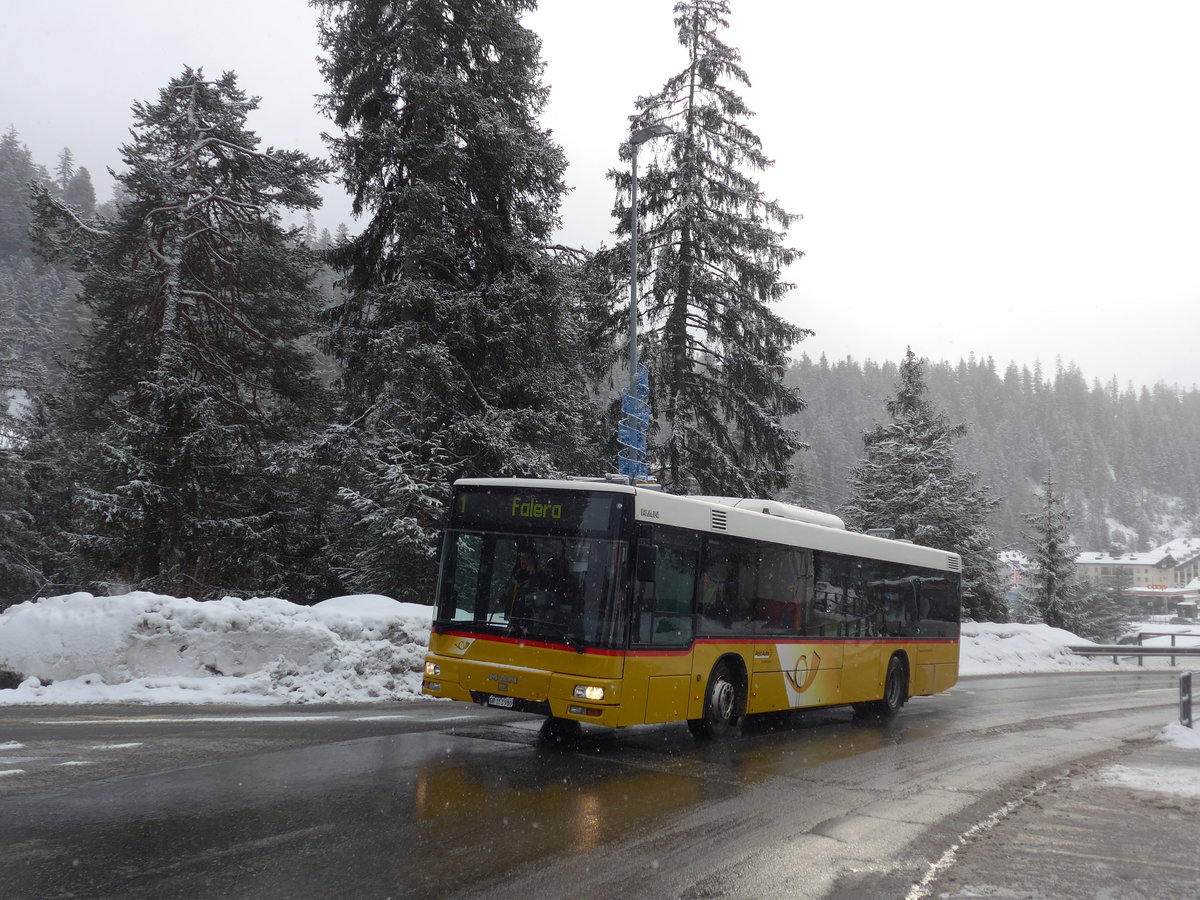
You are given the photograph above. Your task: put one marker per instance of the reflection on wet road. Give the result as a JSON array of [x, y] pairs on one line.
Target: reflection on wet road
[[484, 805]]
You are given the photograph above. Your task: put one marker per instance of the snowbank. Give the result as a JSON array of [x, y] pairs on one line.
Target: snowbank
[[150, 648], [992, 649], [1178, 735], [1178, 781]]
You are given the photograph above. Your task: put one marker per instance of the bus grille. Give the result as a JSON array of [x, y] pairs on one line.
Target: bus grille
[[719, 520]]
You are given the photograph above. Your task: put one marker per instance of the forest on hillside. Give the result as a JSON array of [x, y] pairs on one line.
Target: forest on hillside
[[1126, 459]]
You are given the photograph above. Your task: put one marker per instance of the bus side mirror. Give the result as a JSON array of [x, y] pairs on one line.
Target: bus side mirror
[[647, 562]]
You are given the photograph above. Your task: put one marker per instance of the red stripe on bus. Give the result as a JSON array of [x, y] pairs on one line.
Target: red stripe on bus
[[765, 639]]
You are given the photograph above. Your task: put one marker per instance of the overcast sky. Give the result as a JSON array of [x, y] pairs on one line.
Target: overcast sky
[[1016, 179]]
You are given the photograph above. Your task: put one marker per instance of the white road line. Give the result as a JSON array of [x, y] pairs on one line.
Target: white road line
[[4, 772], [921, 888]]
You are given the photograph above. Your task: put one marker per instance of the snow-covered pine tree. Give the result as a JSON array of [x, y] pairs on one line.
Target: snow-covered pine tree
[[18, 572], [909, 480], [713, 250], [80, 194], [196, 370], [459, 346], [1055, 592], [16, 172], [64, 172]]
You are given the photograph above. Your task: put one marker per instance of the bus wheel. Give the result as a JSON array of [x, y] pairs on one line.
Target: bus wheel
[[720, 705], [895, 692]]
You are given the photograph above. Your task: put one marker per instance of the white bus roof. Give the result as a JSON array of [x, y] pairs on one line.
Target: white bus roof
[[765, 520]]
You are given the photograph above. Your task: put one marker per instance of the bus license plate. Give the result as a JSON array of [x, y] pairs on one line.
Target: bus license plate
[[502, 702]]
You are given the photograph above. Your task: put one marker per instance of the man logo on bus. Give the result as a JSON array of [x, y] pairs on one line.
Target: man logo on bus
[[802, 677]]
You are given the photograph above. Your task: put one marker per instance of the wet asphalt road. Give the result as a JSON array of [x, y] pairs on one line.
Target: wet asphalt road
[[446, 800]]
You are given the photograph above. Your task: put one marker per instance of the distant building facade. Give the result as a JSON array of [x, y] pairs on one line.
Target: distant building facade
[[1164, 581]]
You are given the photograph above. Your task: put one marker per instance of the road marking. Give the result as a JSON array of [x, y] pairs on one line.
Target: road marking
[[921, 888], [4, 772], [128, 746]]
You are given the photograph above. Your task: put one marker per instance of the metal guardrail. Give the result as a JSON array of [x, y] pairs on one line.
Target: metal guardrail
[[1138, 650]]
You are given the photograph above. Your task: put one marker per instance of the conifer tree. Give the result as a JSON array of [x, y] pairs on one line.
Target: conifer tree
[[458, 341], [80, 194], [64, 172], [1055, 591], [909, 480], [713, 250], [17, 171], [196, 371], [17, 568], [18, 572]]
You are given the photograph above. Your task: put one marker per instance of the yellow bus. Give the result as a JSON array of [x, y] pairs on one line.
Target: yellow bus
[[604, 602]]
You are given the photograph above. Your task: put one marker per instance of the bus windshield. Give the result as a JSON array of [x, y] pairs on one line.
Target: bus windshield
[[537, 564]]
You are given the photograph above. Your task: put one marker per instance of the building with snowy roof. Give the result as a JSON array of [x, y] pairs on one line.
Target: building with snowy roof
[[1165, 580]]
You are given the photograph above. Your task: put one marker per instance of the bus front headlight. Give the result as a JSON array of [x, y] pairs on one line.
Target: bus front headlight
[[588, 692], [432, 668]]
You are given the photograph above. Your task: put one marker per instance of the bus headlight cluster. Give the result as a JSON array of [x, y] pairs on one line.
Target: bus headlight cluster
[[432, 668], [588, 692]]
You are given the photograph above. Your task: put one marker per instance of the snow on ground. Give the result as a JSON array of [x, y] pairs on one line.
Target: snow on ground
[[149, 648], [994, 649], [1180, 781], [1177, 735]]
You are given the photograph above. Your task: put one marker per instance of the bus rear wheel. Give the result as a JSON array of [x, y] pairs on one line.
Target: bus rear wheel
[[720, 704], [895, 692]]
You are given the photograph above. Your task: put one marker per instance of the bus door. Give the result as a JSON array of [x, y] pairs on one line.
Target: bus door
[[658, 667]]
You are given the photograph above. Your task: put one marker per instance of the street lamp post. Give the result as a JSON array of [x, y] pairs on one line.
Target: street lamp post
[[632, 432]]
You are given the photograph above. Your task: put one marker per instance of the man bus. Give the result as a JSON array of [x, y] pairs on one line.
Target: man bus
[[610, 603]]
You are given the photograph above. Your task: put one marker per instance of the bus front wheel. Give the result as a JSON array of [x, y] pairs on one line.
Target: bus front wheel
[[720, 704]]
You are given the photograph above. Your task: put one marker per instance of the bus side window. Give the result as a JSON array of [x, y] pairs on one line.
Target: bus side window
[[828, 596], [664, 605], [728, 585], [784, 597]]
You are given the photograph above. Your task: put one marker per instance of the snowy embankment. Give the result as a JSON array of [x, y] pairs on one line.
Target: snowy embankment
[[994, 649], [147, 648]]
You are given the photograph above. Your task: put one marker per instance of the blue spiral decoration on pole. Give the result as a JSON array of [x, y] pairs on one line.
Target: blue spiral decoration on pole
[[634, 428]]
